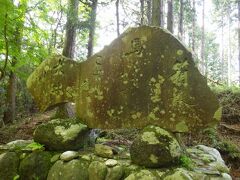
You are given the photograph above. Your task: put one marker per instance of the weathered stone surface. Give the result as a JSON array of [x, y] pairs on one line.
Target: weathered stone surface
[[111, 162], [9, 163], [74, 170], [35, 166], [62, 134], [115, 173], [103, 151], [144, 77], [155, 147], [69, 155], [97, 171]]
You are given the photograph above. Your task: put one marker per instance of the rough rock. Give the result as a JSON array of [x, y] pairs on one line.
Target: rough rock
[[35, 166], [115, 173], [111, 162], [155, 147], [69, 155], [74, 170], [144, 77], [142, 175], [103, 151], [97, 171], [9, 163], [62, 134], [179, 174], [19, 144]]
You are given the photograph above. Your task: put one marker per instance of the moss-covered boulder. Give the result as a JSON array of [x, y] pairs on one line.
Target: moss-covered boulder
[[35, 166], [9, 163], [155, 147], [74, 170], [62, 134], [97, 171], [145, 76]]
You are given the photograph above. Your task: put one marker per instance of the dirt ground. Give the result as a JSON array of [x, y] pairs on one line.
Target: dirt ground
[[24, 130]]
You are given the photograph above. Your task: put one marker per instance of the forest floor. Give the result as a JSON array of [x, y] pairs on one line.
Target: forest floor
[[229, 133]]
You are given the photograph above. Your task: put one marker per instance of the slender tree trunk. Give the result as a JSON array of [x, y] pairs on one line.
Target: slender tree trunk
[[157, 13], [170, 16], [162, 13], [180, 26], [222, 49], [239, 39], [229, 49], [10, 113], [193, 25], [142, 11], [117, 17], [65, 110], [92, 27], [149, 10], [71, 26], [203, 39]]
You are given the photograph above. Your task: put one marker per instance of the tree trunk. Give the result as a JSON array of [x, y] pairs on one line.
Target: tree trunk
[[142, 11], [65, 110], [203, 63], [71, 26], [239, 39], [180, 27], [92, 27], [170, 16], [193, 25], [149, 10], [117, 17], [222, 49], [10, 113], [229, 48], [157, 13]]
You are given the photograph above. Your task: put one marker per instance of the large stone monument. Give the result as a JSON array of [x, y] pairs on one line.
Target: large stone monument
[[144, 77]]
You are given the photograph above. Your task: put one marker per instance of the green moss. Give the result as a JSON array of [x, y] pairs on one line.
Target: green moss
[[150, 138], [186, 162], [181, 127]]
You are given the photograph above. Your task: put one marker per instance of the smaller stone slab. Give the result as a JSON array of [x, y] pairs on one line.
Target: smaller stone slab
[[62, 134]]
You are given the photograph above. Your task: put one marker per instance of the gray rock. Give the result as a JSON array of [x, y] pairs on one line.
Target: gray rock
[[103, 151], [35, 166], [111, 162], [69, 155], [142, 175], [179, 174], [97, 171], [9, 163], [19, 144], [62, 134], [115, 173], [155, 147], [74, 170]]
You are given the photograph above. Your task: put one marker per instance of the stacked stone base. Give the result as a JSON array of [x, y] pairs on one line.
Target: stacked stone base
[[23, 163]]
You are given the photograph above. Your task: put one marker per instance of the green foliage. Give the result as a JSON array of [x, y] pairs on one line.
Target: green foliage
[[230, 148], [16, 177], [186, 162], [35, 146]]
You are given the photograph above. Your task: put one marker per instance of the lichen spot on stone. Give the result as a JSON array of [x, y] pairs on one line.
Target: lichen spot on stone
[[153, 159], [182, 127], [179, 52], [218, 114], [150, 138], [69, 133]]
